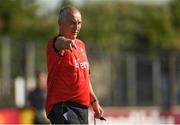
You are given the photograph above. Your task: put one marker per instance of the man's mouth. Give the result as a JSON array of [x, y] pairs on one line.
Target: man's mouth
[[75, 33]]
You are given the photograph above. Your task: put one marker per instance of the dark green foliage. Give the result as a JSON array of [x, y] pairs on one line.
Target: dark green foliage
[[126, 26], [111, 26], [19, 19]]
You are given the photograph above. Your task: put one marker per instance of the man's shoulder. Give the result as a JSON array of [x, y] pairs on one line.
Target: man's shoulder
[[80, 41], [51, 39]]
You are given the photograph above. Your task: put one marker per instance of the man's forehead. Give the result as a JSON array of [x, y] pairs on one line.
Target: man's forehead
[[74, 12], [70, 13], [74, 15]]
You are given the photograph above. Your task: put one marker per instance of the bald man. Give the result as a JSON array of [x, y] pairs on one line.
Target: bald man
[[69, 90]]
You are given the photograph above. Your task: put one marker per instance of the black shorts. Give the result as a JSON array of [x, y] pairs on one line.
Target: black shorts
[[68, 113]]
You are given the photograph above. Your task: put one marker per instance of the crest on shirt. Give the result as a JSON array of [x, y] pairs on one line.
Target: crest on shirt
[[81, 50]]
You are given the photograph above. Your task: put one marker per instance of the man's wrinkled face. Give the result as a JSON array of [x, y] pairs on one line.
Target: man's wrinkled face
[[70, 25]]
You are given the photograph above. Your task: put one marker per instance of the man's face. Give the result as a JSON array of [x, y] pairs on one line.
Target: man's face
[[70, 25]]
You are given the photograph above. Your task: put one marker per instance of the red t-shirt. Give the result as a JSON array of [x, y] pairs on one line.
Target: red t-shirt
[[68, 76]]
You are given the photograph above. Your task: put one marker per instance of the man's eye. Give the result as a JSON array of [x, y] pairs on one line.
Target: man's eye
[[73, 22]]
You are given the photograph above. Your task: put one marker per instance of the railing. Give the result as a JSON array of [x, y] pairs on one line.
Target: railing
[[119, 79]]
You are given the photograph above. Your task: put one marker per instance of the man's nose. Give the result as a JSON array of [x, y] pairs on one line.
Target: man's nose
[[76, 26]]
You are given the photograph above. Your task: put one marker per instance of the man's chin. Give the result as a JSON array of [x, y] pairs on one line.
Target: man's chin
[[74, 37]]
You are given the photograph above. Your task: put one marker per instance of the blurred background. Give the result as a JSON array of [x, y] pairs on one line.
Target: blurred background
[[134, 54]]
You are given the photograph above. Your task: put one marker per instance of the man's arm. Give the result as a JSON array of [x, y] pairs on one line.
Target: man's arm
[[98, 111], [62, 43]]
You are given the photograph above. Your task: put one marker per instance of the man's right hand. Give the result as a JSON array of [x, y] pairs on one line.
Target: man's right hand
[[65, 43]]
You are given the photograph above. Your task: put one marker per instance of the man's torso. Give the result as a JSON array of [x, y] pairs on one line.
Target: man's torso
[[68, 76]]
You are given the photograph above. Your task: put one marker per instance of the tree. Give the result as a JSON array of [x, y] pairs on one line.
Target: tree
[[175, 17], [20, 20], [127, 26]]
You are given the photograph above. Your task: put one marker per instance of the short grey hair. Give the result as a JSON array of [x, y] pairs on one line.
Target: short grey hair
[[65, 11]]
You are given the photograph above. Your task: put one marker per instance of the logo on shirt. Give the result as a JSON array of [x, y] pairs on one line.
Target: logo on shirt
[[81, 50], [82, 65]]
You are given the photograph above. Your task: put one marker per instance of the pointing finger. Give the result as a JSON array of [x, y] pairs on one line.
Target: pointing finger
[[74, 44], [71, 47]]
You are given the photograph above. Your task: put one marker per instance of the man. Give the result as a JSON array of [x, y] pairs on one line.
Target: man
[[36, 98], [69, 88]]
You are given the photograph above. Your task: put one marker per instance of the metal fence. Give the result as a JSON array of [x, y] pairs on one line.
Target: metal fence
[[129, 79], [119, 79]]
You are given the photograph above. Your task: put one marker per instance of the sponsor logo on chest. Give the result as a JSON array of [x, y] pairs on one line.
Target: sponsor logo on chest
[[82, 65]]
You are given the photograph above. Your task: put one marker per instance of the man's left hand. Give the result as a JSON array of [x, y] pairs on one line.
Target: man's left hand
[[98, 111]]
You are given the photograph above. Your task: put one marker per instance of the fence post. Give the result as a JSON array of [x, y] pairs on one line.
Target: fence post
[[6, 66], [173, 78], [20, 92], [30, 65], [131, 80], [156, 78]]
